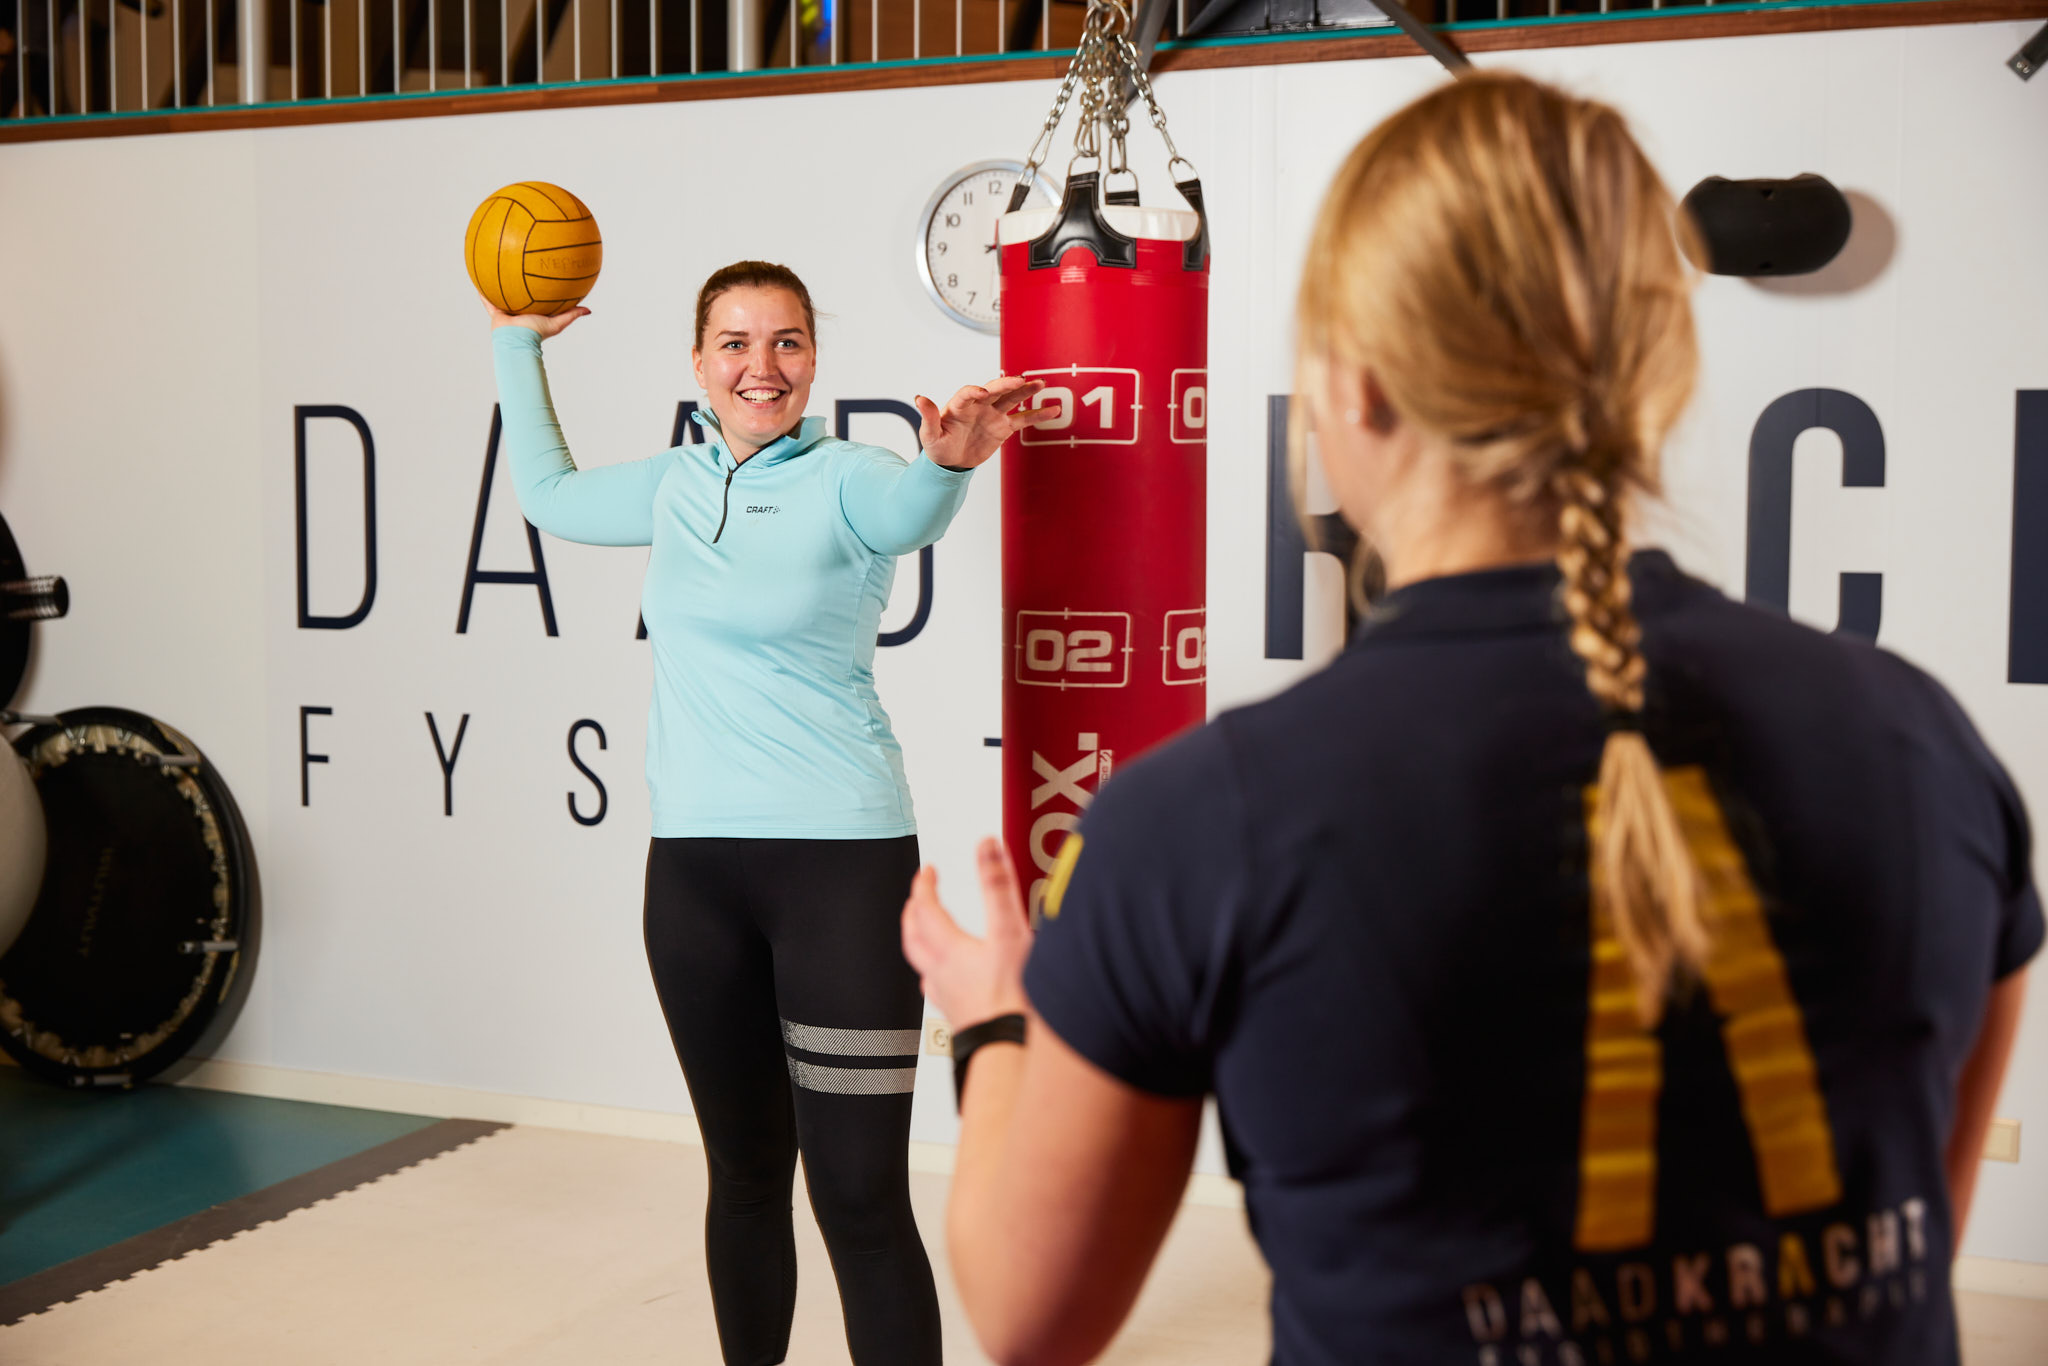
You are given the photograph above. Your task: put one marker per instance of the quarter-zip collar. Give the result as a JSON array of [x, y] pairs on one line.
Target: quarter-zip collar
[[809, 433]]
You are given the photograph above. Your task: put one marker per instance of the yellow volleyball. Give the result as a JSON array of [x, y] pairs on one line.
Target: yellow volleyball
[[533, 248]]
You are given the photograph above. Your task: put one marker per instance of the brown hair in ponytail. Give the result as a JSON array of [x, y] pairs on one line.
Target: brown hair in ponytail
[[1505, 261]]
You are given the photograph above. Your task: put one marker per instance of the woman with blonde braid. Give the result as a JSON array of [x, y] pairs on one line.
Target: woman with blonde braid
[[1588, 968]]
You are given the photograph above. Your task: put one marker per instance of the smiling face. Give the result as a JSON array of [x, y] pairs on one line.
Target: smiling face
[[756, 359]]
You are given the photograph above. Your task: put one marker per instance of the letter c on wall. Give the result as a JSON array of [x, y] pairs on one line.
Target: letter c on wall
[[1768, 576]]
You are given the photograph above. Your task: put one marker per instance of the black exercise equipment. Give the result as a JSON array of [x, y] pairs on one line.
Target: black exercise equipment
[[1768, 227], [23, 599], [141, 909], [142, 940]]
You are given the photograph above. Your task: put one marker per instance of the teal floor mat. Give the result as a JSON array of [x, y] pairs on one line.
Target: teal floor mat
[[81, 1171]]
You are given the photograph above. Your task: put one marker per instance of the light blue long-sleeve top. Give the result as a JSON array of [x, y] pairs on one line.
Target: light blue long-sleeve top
[[765, 722]]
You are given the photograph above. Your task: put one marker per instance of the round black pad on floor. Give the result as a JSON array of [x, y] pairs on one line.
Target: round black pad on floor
[[142, 941]]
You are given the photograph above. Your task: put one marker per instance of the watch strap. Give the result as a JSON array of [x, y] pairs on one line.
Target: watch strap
[[1002, 1029]]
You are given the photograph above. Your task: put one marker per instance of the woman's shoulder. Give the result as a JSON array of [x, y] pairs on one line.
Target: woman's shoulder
[[1778, 664], [1184, 794]]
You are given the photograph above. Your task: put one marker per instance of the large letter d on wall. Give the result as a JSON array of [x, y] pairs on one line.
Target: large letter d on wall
[[1768, 581], [301, 415]]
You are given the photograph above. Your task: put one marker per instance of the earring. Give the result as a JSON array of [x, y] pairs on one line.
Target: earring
[[1352, 416]]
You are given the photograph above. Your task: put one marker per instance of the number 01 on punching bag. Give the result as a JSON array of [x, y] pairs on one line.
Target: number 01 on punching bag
[[1104, 508]]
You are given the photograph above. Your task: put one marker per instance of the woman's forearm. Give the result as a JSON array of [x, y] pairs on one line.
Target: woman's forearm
[[974, 1216], [896, 508], [1066, 1178]]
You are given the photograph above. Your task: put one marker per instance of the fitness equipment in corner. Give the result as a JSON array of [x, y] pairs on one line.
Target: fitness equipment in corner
[[22, 600], [139, 946]]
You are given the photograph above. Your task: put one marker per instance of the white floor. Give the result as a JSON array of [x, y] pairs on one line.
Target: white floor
[[540, 1247]]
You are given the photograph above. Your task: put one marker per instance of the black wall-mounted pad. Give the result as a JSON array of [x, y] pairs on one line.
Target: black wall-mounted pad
[[1768, 227]]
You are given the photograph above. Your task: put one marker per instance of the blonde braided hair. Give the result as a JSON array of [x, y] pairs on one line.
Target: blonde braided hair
[[1643, 871], [1505, 261]]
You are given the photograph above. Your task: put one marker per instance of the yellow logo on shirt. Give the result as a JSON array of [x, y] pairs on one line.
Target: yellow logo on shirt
[[1062, 872], [1762, 1029]]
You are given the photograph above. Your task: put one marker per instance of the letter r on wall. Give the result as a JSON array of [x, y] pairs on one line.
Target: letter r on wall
[[1287, 545]]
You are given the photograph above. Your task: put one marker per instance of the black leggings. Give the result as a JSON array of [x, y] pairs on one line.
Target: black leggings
[[781, 973]]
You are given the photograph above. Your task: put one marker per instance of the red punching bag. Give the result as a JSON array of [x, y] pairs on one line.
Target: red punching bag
[[1104, 509]]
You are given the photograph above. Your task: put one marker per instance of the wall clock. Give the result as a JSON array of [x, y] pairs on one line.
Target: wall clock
[[956, 239]]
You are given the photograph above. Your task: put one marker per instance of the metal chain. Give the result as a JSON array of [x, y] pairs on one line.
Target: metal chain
[[1103, 59], [1042, 144], [1144, 84]]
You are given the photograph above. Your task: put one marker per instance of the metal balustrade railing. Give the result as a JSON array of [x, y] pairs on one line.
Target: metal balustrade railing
[[66, 58]]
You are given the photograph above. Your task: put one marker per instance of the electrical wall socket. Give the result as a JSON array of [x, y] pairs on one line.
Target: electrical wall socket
[[938, 1042]]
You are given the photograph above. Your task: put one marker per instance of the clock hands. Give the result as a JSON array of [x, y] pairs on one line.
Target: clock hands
[[962, 206]]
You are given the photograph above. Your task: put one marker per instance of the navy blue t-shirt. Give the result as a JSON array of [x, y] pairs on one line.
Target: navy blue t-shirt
[[1359, 913]]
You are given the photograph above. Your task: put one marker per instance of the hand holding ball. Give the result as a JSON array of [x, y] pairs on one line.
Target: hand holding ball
[[533, 248]]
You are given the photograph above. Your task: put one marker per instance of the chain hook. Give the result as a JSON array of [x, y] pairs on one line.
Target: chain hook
[[1103, 59]]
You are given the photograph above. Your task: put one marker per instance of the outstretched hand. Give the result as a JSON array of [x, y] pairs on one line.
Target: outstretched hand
[[970, 980], [551, 326], [978, 420]]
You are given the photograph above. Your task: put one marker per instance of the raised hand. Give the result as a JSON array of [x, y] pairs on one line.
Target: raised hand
[[977, 421], [551, 326], [970, 980]]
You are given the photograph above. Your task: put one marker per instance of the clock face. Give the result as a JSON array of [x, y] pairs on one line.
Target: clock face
[[956, 240]]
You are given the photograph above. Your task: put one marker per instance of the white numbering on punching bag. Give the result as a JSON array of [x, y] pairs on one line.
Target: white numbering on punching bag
[[1099, 406], [1184, 650], [1073, 649], [1189, 407]]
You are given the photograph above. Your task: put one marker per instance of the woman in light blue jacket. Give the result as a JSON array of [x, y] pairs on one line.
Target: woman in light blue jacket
[[784, 841]]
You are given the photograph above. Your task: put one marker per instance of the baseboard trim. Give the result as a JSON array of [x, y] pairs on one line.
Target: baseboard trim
[[1990, 1276], [2025, 1280], [455, 1102], [441, 1102]]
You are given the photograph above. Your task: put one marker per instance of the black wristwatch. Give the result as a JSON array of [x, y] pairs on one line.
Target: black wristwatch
[[1002, 1029]]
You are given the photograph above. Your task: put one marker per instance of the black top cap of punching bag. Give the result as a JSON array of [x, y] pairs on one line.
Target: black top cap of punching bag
[[1768, 227]]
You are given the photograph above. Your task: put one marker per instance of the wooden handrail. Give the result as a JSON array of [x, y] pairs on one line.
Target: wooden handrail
[[1636, 26]]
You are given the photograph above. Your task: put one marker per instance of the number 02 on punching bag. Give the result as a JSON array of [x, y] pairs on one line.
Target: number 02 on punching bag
[[1104, 508]]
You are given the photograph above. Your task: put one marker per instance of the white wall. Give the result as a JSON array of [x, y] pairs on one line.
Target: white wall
[[168, 300]]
